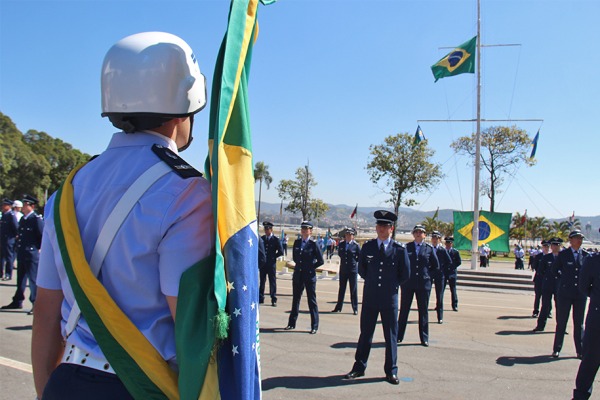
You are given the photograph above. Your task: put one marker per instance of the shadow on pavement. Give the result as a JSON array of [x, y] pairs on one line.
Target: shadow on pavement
[[527, 332], [505, 317], [312, 382], [510, 361], [19, 328]]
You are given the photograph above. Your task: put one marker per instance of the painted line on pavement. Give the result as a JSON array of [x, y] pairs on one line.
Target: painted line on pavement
[[21, 366]]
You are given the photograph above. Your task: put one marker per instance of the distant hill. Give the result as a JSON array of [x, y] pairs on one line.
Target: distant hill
[[339, 216]]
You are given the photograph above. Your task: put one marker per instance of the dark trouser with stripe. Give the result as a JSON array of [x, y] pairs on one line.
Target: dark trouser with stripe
[[27, 271], [439, 297], [264, 273], [299, 282], [589, 365], [368, 321], [406, 298], [563, 309], [345, 278], [451, 280], [546, 308], [7, 261], [75, 382]]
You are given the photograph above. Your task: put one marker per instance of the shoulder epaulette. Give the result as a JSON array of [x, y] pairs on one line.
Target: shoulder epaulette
[[399, 244], [177, 164]]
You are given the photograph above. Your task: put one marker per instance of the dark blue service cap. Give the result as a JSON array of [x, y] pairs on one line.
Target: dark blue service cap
[[575, 233], [351, 231], [267, 224], [545, 243], [384, 217], [419, 228], [436, 234], [7, 202], [29, 199], [556, 240], [449, 239], [306, 224]]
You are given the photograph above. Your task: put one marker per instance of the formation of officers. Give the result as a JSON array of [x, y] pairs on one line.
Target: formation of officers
[[570, 276], [385, 266], [20, 235]]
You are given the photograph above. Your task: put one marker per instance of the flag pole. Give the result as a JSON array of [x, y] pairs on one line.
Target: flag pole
[[475, 240]]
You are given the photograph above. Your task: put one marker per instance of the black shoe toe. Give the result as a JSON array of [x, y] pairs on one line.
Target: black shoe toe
[[354, 375], [393, 379], [289, 327], [555, 354], [425, 344]]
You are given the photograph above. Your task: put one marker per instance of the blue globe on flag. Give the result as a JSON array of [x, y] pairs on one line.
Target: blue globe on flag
[[484, 230]]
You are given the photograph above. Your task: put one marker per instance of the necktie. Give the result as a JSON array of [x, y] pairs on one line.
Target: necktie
[[576, 254], [381, 249]]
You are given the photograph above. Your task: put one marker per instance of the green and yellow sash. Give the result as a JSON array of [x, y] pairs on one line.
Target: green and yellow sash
[[137, 363]]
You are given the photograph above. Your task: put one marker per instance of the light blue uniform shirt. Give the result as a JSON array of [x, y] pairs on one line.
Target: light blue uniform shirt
[[168, 230]]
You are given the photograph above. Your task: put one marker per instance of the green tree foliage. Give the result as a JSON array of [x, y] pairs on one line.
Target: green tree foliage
[[502, 150], [399, 169], [33, 163], [298, 193], [261, 173]]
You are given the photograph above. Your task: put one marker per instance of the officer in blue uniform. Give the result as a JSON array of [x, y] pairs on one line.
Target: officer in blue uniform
[[549, 282], [308, 257], [384, 266], [567, 267], [450, 274], [589, 283], [8, 233], [538, 279], [438, 274], [273, 250], [29, 243], [423, 261], [349, 252]]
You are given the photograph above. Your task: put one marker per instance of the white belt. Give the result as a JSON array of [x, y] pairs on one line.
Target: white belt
[[76, 355]]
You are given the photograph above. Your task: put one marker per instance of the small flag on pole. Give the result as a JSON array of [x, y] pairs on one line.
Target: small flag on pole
[[419, 136], [524, 217], [354, 212], [572, 219], [459, 61], [534, 145], [436, 213]]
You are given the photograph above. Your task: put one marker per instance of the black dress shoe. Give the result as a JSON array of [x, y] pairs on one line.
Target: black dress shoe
[[538, 329], [440, 321], [355, 312], [336, 310], [354, 375], [425, 343], [274, 304], [550, 315], [555, 354], [393, 379], [289, 327], [399, 341], [580, 356], [454, 308], [535, 315], [313, 331], [15, 305]]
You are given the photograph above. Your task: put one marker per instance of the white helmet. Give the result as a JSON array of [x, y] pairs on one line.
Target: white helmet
[[17, 203], [149, 78]]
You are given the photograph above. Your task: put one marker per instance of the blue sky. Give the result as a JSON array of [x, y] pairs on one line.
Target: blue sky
[[330, 78]]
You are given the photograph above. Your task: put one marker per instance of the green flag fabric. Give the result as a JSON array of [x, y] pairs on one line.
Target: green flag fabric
[[493, 230], [459, 61], [419, 136]]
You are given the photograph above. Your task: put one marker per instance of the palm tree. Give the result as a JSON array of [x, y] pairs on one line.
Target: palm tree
[[261, 173]]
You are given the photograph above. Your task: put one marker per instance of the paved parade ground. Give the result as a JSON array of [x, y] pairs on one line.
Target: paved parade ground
[[486, 350]]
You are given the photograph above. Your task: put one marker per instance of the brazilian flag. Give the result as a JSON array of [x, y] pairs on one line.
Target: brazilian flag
[[493, 230], [459, 61]]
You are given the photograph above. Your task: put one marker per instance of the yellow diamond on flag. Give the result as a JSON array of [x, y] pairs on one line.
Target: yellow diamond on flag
[[488, 231]]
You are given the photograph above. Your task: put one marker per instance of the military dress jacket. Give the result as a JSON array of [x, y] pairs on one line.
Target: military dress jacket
[[383, 275], [307, 259], [450, 271], [29, 240], [9, 227], [589, 284], [535, 265], [349, 257], [273, 250], [545, 271], [444, 261], [568, 270], [421, 266]]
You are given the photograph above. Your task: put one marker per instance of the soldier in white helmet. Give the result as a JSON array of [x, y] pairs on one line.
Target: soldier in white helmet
[[144, 217]]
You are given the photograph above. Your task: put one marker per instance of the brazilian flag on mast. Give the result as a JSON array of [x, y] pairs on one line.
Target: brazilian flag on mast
[[459, 61], [493, 230]]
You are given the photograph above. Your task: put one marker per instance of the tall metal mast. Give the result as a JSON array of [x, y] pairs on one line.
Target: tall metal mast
[[475, 240]]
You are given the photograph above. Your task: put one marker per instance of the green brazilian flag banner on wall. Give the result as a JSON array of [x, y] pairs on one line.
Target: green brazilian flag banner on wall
[[493, 230]]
